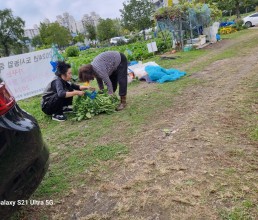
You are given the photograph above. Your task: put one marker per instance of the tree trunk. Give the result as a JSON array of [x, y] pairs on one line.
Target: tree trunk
[[144, 35], [237, 9], [6, 50], [181, 33]]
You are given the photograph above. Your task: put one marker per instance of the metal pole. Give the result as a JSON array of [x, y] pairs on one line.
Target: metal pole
[[180, 32]]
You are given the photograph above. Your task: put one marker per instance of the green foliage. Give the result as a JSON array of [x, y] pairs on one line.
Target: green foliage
[[54, 34], [239, 24], [106, 29], [72, 51], [136, 14], [139, 51], [135, 38], [234, 6], [86, 108], [182, 10], [36, 41], [75, 72], [78, 38], [90, 27], [11, 32], [118, 26], [91, 31], [43, 47]]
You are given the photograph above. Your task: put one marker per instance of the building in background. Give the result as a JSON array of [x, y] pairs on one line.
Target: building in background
[[92, 19], [31, 33], [67, 21], [79, 25]]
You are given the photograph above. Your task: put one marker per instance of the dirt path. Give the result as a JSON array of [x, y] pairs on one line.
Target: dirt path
[[201, 164]]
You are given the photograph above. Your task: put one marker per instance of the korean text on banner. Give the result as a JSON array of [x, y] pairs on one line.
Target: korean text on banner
[[28, 74]]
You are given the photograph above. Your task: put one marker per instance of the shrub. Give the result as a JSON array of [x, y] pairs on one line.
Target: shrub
[[135, 38], [72, 51], [239, 24]]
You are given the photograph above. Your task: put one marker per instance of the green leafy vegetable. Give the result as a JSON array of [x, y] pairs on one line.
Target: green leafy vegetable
[[86, 108]]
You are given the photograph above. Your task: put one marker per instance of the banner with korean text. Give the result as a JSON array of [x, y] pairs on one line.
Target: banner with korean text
[[28, 74]]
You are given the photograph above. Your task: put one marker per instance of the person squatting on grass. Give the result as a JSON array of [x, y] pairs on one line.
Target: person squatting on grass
[[109, 67], [59, 93]]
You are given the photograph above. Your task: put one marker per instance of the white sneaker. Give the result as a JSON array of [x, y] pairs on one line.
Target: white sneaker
[[56, 117]]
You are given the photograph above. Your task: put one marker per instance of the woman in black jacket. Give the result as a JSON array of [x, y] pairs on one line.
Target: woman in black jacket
[[59, 93]]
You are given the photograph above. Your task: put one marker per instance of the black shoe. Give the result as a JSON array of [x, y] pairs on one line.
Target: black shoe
[[67, 109], [56, 117]]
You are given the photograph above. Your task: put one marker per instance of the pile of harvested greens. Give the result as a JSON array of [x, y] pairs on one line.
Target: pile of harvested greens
[[85, 106]]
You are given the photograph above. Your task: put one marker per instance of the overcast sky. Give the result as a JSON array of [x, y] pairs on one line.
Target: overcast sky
[[35, 11]]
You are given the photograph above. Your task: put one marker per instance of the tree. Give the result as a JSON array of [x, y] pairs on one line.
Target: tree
[[137, 14], [11, 32], [106, 29], [249, 4], [229, 5], [89, 26], [78, 38], [91, 31], [53, 33], [36, 41], [119, 28]]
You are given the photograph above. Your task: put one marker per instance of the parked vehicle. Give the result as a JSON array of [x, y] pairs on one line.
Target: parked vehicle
[[24, 157], [115, 40], [251, 20]]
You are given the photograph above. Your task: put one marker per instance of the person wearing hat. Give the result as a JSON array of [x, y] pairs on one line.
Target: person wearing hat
[[58, 95], [109, 67]]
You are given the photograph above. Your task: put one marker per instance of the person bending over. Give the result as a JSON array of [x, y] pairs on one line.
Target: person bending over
[[58, 95], [109, 67]]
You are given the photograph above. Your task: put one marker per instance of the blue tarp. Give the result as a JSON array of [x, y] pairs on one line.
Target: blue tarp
[[84, 48], [225, 24], [161, 75], [134, 62]]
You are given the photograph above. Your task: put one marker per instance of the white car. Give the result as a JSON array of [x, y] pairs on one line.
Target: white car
[[115, 40], [251, 20]]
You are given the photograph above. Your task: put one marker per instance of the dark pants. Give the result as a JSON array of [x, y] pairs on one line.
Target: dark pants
[[55, 104], [120, 76]]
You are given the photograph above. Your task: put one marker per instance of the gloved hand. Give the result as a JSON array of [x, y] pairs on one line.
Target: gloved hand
[[91, 95], [54, 66]]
